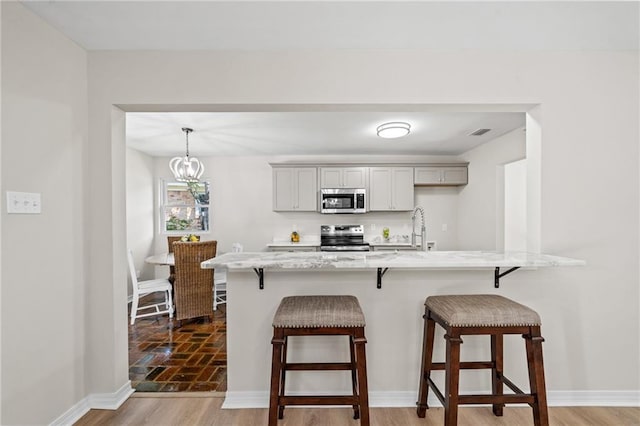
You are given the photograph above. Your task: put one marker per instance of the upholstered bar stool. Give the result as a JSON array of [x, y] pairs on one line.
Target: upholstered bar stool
[[319, 316], [477, 315]]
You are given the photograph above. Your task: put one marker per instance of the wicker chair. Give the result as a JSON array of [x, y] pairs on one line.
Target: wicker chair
[[172, 269], [193, 285]]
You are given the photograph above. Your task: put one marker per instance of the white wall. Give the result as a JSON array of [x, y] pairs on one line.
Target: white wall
[[515, 206], [44, 136], [482, 199], [575, 200], [140, 209]]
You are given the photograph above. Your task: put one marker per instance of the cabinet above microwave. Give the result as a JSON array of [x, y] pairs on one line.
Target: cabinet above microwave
[[343, 177]]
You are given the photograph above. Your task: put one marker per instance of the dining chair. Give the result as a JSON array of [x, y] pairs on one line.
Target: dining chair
[[172, 270], [144, 288], [219, 288], [220, 282], [192, 286]]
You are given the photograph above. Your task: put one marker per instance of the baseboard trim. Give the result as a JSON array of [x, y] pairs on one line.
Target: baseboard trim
[[111, 401], [260, 399], [98, 401], [73, 414]]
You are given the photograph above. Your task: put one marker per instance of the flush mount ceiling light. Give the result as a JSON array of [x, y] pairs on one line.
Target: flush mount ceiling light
[[395, 129], [186, 169]]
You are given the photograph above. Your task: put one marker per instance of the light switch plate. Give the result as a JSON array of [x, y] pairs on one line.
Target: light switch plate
[[23, 202]]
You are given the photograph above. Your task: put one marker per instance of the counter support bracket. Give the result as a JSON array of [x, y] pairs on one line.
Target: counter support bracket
[[497, 275], [260, 273], [381, 272]]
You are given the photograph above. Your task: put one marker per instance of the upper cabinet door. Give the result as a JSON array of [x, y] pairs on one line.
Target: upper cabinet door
[[355, 177], [283, 189], [428, 175], [391, 188], [343, 177], [331, 177], [380, 189], [295, 189], [455, 175], [403, 191], [307, 193]]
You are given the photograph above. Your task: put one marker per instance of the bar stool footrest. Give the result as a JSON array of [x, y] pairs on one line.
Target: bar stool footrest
[[496, 399], [318, 400], [310, 366], [471, 365]]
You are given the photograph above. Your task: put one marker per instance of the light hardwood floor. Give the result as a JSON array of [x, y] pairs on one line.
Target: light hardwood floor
[[198, 410]]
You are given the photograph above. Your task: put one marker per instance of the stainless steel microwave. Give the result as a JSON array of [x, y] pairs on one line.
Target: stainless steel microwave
[[343, 200]]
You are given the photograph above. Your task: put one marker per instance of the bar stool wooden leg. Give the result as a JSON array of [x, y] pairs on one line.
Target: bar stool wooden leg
[[354, 376], [497, 370], [535, 363], [276, 373], [425, 370], [363, 389], [452, 378], [283, 375]]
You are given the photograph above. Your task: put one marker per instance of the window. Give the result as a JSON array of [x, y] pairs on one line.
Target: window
[[184, 207]]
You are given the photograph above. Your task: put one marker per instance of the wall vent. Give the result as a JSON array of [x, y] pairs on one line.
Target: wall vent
[[479, 132]]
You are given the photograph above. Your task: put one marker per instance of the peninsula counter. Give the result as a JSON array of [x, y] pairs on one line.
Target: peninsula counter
[[393, 313]]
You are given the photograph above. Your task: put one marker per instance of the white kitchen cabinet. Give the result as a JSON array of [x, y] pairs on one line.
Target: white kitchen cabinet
[[441, 175], [295, 189], [343, 177], [391, 188]]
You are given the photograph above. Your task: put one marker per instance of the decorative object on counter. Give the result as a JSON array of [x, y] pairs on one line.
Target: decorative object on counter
[[295, 237], [190, 238], [385, 233], [319, 316], [186, 169], [481, 314], [392, 130]]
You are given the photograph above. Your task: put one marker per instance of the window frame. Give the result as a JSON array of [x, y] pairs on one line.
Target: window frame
[[164, 204]]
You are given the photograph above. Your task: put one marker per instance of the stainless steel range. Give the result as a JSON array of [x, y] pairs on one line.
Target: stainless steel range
[[342, 238]]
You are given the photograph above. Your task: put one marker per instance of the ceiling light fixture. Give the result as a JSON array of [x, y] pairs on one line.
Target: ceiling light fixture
[[395, 129], [186, 169]]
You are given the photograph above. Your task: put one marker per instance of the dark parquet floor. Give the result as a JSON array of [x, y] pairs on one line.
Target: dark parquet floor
[[166, 356]]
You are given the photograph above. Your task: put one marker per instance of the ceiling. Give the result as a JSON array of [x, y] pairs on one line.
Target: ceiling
[[281, 25], [312, 133], [256, 25]]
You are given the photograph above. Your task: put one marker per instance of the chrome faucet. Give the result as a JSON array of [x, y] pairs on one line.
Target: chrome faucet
[[423, 231]]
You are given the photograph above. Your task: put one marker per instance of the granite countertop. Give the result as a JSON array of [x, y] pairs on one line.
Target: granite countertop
[[291, 244], [316, 243], [403, 259]]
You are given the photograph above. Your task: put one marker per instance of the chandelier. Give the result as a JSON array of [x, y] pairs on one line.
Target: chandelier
[[186, 169]]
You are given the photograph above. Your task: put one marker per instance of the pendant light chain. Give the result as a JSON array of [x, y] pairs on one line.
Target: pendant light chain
[[187, 131]]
